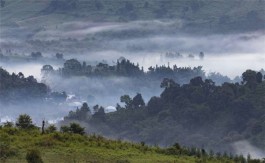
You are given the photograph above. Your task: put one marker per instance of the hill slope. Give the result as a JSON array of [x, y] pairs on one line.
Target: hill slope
[[214, 15], [64, 147], [197, 114]]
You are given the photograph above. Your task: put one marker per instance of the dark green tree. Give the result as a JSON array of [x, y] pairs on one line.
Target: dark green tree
[[100, 114], [137, 101], [24, 121], [197, 81], [167, 83], [259, 77], [65, 129], [77, 129], [154, 105], [127, 100], [249, 77]]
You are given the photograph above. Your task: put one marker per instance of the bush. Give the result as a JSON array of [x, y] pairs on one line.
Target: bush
[[33, 156], [46, 141], [73, 128], [10, 130], [65, 129], [51, 129], [8, 124], [77, 129], [6, 151]]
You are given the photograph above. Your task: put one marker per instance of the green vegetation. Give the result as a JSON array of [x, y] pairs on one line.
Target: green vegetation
[[16, 87], [73, 128], [24, 122], [125, 68], [32, 146], [195, 114], [34, 156]]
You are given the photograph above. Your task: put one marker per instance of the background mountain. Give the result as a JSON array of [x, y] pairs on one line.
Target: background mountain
[[215, 15]]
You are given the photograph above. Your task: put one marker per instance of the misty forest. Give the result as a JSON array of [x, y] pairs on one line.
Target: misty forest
[[132, 81]]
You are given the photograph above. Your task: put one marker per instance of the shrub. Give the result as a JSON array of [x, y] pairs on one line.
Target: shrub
[[33, 156], [6, 151], [8, 124], [10, 130], [51, 129], [77, 129], [74, 128], [46, 141], [65, 129]]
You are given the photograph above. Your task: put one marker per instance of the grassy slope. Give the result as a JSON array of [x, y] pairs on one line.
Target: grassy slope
[[58, 147]]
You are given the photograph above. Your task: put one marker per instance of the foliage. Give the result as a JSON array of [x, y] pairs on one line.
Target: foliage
[[34, 156], [28, 146], [6, 151], [24, 121], [8, 124], [51, 129], [183, 113], [191, 12], [84, 113], [125, 68], [138, 101], [15, 87], [73, 128]]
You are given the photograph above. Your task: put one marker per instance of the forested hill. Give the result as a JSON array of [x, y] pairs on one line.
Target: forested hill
[[215, 15], [196, 114], [17, 87]]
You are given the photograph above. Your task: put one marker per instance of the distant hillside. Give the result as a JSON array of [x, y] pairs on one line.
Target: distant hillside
[[15, 88], [215, 15], [198, 114]]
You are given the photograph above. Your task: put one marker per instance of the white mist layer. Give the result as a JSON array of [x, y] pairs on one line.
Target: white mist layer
[[26, 68], [38, 111], [229, 65], [245, 148]]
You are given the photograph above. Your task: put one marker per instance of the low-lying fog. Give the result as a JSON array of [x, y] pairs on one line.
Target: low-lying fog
[[246, 148], [229, 54], [231, 65]]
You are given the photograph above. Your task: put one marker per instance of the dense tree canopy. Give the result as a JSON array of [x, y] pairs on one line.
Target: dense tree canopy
[[199, 113], [15, 86], [125, 68]]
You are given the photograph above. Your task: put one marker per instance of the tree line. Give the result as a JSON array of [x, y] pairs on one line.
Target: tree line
[[126, 68]]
